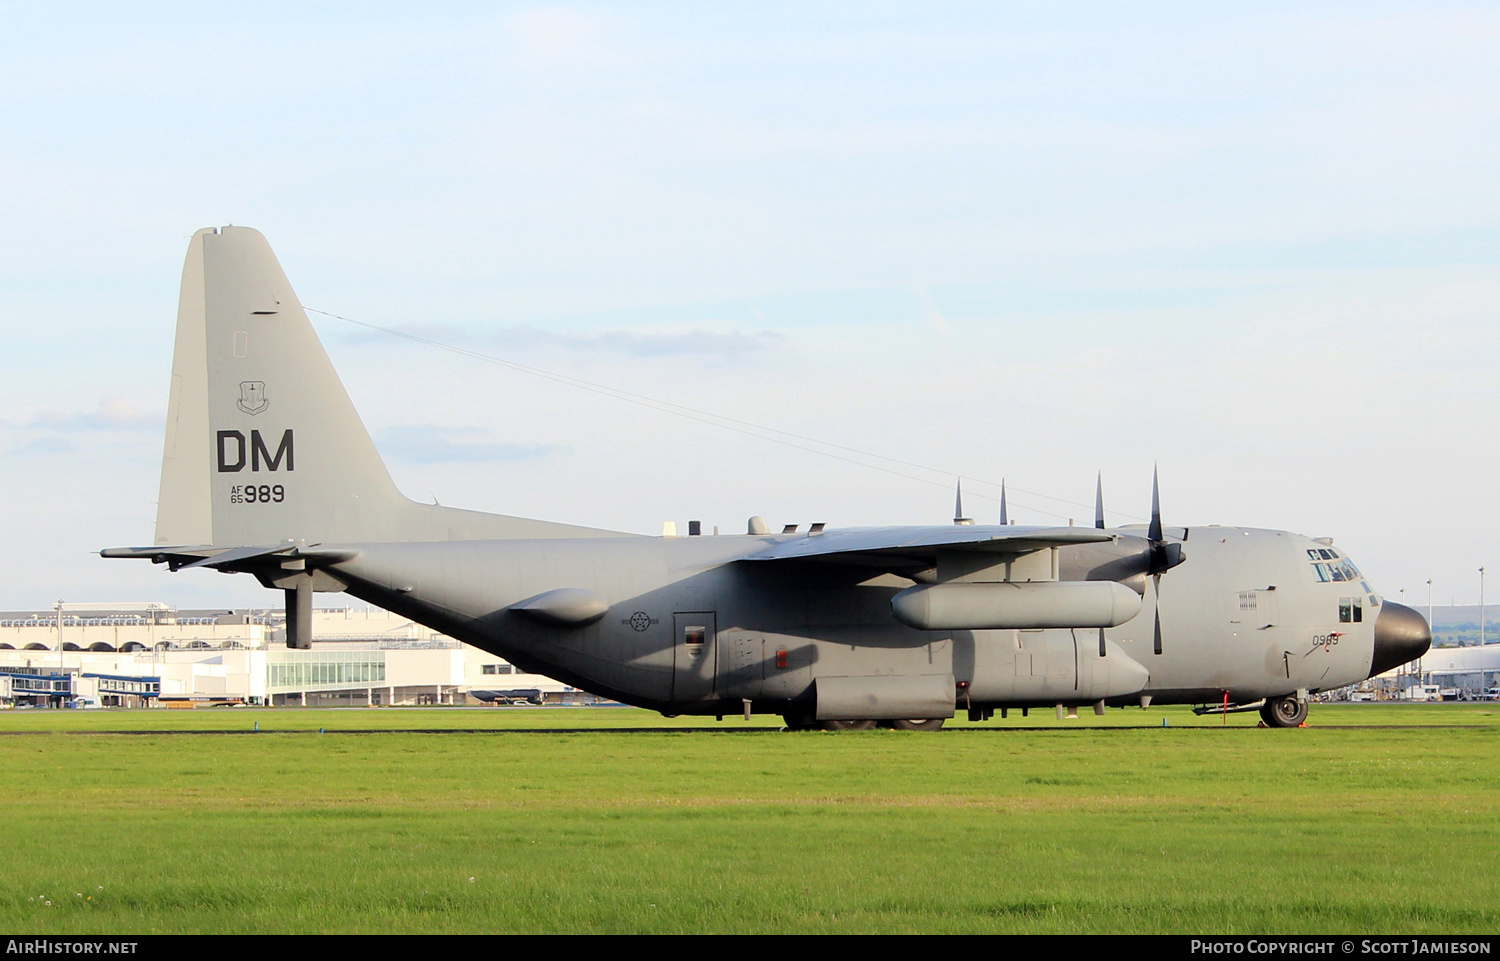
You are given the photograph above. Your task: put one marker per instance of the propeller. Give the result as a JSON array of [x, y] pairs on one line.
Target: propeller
[[1004, 517], [1099, 523], [1162, 556]]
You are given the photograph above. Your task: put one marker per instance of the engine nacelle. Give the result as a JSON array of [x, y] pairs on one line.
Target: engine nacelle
[[1015, 605]]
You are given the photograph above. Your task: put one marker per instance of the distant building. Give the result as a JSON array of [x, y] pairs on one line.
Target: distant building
[[1468, 671], [145, 654]]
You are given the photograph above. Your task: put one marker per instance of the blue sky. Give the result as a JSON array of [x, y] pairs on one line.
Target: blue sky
[[1256, 245]]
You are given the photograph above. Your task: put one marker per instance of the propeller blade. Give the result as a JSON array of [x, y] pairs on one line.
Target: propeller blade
[[1101, 642], [958, 504], [1163, 556], [1099, 501], [1156, 644], [1154, 533], [1004, 518]]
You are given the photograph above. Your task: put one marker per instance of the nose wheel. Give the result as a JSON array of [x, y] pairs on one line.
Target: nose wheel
[[1284, 712]]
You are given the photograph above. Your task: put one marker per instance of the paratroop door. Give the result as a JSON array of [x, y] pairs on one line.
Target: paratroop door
[[694, 655]]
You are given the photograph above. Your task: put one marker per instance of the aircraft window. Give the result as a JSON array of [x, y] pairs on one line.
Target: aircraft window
[[1328, 555], [1338, 575], [1313, 554], [1351, 573], [1351, 610], [695, 634], [1321, 573]]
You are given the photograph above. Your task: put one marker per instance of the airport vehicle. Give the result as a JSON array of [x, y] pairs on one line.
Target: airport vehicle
[[267, 470], [515, 695]]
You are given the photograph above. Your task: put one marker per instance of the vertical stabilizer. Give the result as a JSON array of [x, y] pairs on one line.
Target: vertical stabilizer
[[263, 443]]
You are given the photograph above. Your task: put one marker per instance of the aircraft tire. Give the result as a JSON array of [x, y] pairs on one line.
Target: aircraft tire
[[1284, 712], [917, 724], [846, 725], [797, 720]]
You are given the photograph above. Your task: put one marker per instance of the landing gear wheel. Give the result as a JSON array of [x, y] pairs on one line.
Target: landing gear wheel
[[797, 720], [846, 725], [1284, 712], [917, 724]]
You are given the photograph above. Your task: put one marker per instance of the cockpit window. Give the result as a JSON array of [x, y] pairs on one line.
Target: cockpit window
[[1351, 610], [1328, 567]]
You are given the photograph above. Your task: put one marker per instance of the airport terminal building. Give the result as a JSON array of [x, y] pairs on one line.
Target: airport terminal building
[[1468, 672], [149, 654]]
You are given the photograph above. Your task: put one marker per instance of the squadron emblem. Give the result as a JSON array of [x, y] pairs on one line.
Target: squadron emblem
[[252, 397]]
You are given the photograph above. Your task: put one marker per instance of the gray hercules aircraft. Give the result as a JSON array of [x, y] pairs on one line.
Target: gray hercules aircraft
[[267, 470]]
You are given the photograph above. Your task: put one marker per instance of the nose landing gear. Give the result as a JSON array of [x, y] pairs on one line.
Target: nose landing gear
[[1286, 711]]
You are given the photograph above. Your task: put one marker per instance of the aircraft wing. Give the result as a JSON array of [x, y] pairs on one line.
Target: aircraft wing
[[877, 546]]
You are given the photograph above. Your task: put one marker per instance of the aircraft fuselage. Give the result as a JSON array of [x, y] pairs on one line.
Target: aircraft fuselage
[[267, 469], [694, 627]]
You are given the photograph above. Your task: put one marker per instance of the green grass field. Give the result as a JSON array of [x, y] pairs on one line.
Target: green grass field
[[1374, 819]]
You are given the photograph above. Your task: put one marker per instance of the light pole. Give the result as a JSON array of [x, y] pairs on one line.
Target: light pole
[[1481, 607]]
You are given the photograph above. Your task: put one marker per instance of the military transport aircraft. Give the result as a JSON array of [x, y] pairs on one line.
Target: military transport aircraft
[[267, 470]]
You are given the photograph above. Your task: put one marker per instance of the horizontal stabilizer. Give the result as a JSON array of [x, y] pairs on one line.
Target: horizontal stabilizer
[[183, 557], [182, 552], [237, 554]]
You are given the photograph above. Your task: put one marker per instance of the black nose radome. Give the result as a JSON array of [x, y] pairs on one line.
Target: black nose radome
[[1401, 635]]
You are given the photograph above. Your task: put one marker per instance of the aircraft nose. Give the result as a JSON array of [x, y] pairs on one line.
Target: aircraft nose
[[1401, 635]]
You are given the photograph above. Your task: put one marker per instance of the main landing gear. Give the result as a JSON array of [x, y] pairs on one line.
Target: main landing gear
[[916, 724], [796, 721]]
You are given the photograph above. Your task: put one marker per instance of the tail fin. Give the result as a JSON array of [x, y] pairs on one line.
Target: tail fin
[[263, 444]]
